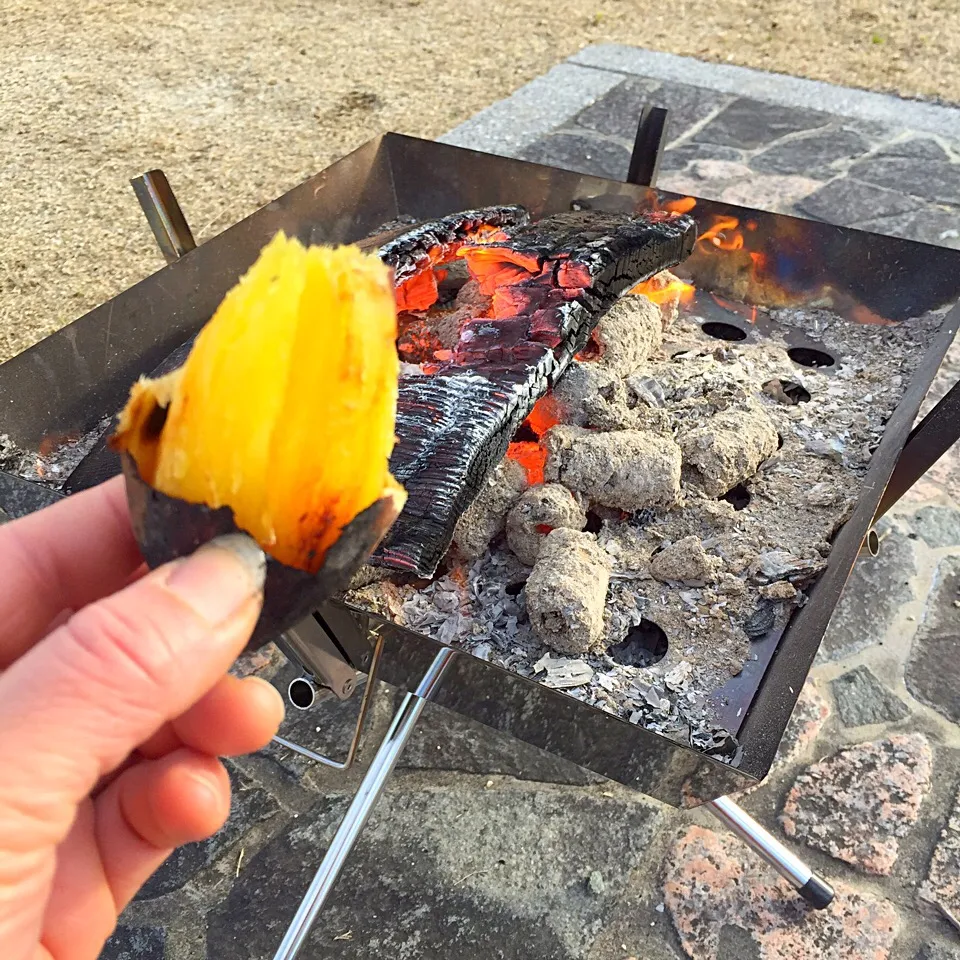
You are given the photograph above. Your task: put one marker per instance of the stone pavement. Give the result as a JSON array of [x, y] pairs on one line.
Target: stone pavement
[[486, 848]]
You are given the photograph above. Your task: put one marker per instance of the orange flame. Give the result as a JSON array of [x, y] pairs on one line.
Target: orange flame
[[718, 234], [661, 290]]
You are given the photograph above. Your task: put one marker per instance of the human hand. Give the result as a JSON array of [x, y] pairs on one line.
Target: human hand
[[115, 703]]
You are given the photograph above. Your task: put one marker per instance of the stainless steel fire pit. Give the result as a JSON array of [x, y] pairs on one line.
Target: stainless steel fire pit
[[77, 378]]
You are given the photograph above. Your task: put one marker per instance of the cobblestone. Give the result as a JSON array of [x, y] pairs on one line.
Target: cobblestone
[[942, 885], [858, 803], [862, 699], [877, 590], [726, 904], [933, 670]]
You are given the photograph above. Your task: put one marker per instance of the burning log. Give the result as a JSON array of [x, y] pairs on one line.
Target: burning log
[[240, 437], [550, 283], [415, 254]]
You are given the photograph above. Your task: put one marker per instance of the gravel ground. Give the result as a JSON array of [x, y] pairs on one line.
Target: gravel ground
[[238, 102]]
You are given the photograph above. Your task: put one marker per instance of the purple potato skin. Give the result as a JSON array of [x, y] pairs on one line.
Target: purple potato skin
[[167, 528]]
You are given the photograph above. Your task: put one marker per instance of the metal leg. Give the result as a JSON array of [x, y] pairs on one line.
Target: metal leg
[[361, 808], [930, 439], [815, 891], [163, 213], [648, 147], [347, 761]]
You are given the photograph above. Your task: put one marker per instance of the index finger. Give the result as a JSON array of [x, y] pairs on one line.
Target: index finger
[[62, 558]]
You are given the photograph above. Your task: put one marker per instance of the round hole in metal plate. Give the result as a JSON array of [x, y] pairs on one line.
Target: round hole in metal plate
[[810, 357], [645, 645], [723, 331]]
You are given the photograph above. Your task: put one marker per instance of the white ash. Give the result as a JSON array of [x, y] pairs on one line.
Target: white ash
[[538, 512], [484, 519], [53, 467], [566, 591], [755, 563]]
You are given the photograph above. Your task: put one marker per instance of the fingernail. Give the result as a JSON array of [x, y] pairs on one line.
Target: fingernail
[[221, 577]]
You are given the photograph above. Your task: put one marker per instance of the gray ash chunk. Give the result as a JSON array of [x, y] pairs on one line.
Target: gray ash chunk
[[538, 512], [567, 591], [628, 333], [685, 562], [627, 470], [484, 518], [729, 449], [578, 389]]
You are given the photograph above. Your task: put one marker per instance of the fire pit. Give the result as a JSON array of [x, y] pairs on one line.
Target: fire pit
[[773, 333]]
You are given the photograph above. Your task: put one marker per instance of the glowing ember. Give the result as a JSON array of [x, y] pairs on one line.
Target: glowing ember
[[547, 412], [532, 454]]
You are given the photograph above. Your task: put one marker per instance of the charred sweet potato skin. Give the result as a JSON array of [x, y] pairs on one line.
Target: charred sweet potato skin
[[168, 528]]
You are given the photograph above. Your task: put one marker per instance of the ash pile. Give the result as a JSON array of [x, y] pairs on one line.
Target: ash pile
[[672, 501]]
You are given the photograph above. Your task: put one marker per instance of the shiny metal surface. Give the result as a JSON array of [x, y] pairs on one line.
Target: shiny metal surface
[[362, 806], [369, 691], [787, 864], [163, 213], [70, 381]]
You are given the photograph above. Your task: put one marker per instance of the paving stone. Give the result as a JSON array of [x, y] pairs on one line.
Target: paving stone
[[135, 943], [942, 885], [917, 148], [686, 106], [937, 526], [933, 670], [807, 720], [714, 883], [249, 806], [749, 124], [862, 699], [444, 740], [871, 601], [770, 192], [934, 180], [446, 872], [678, 158], [926, 224], [20, 497], [582, 153], [936, 951], [617, 113], [858, 803], [846, 201], [813, 155]]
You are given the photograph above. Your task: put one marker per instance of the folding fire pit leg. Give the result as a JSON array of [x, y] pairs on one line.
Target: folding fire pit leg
[[815, 891], [360, 809]]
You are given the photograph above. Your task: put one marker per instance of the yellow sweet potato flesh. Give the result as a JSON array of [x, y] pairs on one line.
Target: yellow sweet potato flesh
[[284, 410]]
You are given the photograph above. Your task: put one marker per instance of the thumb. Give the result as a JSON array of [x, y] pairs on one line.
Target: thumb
[[75, 705]]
